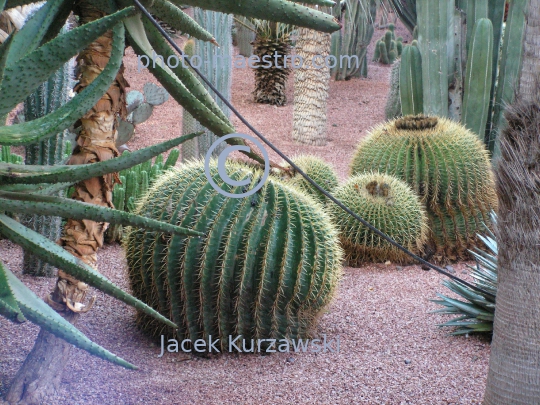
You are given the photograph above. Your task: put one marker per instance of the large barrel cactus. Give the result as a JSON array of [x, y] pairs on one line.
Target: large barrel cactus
[[391, 206], [446, 165], [266, 267]]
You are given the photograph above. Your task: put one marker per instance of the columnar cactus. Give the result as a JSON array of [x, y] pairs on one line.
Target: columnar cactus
[[467, 77], [245, 35], [357, 18], [7, 157], [393, 104], [388, 48], [391, 206], [406, 11], [217, 67], [446, 165], [267, 265]]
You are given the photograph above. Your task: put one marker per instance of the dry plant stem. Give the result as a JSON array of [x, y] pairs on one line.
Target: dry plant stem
[[514, 375], [42, 370], [311, 86]]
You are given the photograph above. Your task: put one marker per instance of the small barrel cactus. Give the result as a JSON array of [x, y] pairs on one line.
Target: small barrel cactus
[[446, 165], [316, 168], [268, 264], [390, 205]]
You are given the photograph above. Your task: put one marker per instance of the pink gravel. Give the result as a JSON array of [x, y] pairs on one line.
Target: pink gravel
[[391, 351]]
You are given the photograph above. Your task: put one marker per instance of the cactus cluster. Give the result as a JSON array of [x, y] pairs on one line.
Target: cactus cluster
[[134, 183], [465, 74], [321, 172], [357, 18], [266, 267], [7, 157], [391, 206], [139, 107], [446, 166], [388, 49]]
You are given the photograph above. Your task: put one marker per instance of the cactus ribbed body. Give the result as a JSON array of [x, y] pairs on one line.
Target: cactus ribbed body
[[48, 97], [267, 266], [244, 36], [216, 65], [410, 81], [388, 48], [387, 203], [393, 104], [446, 165]]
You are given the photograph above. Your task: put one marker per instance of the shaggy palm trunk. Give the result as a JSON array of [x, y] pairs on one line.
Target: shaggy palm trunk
[[311, 85], [271, 75], [514, 364], [41, 373]]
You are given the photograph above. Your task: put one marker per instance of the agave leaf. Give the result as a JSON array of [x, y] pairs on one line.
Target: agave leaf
[[35, 174], [68, 208], [9, 307], [24, 76], [179, 20], [60, 119], [52, 253], [273, 10], [34, 29], [44, 316]]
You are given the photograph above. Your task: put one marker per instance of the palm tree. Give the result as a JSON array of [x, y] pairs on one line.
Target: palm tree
[[311, 86], [514, 374]]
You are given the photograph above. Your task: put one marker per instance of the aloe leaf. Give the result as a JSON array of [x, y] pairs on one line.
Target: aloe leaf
[[41, 314], [24, 76], [34, 174], [68, 208], [179, 20], [34, 29], [52, 253], [9, 307], [60, 119]]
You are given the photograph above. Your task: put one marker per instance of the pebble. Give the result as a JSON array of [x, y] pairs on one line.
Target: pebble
[[399, 268], [407, 361], [290, 359], [450, 269], [464, 271]]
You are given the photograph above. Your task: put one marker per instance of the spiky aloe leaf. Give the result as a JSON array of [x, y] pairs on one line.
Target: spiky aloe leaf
[[34, 29], [274, 10], [179, 20], [60, 119], [22, 77], [29, 174], [68, 208], [44, 316], [9, 307], [52, 253]]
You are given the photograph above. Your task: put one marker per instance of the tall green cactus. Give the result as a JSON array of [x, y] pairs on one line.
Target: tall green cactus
[[465, 75], [406, 11], [357, 19], [410, 81], [245, 35], [48, 97], [216, 65], [266, 267], [388, 48], [393, 103]]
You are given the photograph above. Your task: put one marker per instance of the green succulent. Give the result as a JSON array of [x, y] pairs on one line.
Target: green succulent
[[317, 169], [446, 166], [387, 203], [477, 312], [27, 59], [266, 267]]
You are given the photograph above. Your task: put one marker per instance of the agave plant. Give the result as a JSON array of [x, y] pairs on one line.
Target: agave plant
[[476, 314], [27, 59]]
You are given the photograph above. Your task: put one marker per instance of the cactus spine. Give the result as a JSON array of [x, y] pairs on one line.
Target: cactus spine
[[352, 40], [446, 165], [216, 66], [48, 97], [266, 267]]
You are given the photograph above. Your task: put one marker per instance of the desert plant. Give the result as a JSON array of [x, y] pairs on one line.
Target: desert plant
[[349, 45], [265, 268], [393, 103], [217, 67], [406, 11], [391, 206], [317, 169], [477, 311], [447, 167], [388, 48], [245, 35], [272, 44], [7, 157], [465, 76], [134, 183]]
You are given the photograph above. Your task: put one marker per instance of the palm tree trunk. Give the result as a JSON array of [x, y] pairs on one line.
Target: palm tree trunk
[[531, 52], [311, 86], [514, 365], [41, 372]]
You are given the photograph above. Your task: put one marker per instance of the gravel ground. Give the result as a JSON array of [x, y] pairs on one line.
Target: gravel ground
[[390, 349]]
